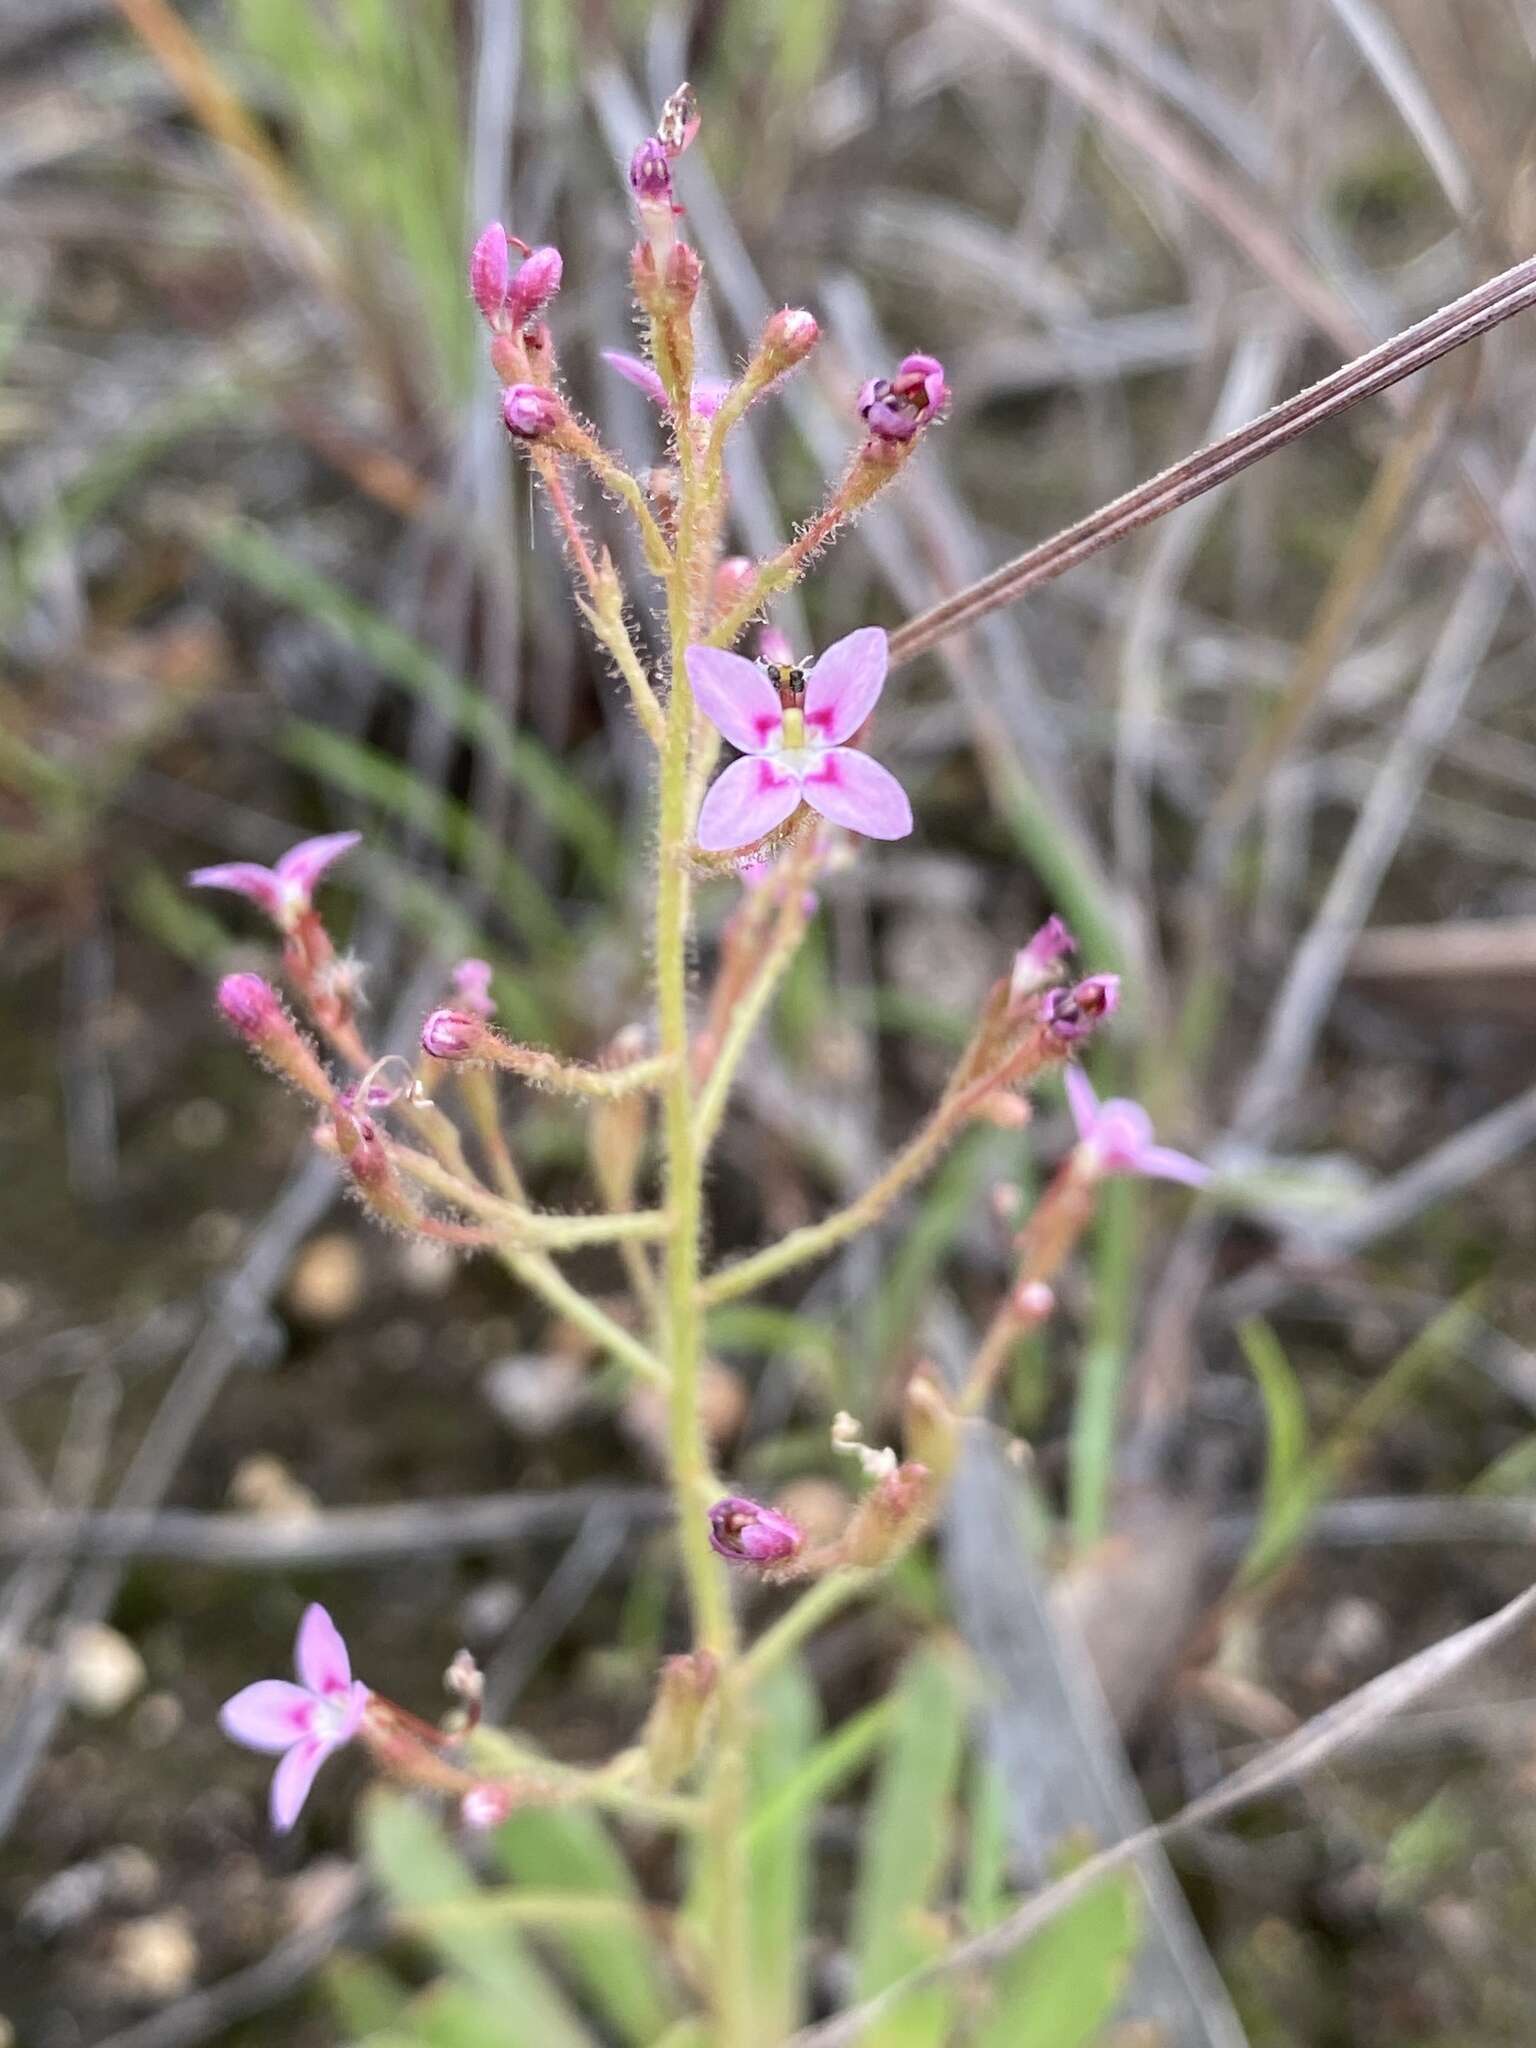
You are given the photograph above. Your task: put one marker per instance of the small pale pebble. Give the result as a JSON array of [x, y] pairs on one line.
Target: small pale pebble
[[215, 1235], [157, 1720], [102, 1670], [262, 1485], [428, 1269], [489, 1610], [319, 1893], [327, 1280], [723, 1402], [133, 1877], [536, 1397], [201, 1124], [155, 1958]]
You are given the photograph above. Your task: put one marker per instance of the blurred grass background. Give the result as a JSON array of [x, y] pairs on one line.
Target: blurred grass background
[[269, 568]]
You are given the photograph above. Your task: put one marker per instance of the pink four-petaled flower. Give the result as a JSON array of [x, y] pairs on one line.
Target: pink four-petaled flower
[[794, 752], [1117, 1137], [285, 892], [300, 1724]]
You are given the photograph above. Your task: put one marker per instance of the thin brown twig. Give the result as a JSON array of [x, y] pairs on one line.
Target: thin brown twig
[[1275, 1769], [1415, 348]]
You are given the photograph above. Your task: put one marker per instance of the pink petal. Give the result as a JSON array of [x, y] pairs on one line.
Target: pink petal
[[747, 801], [294, 1776], [1122, 1131], [245, 878], [845, 684], [708, 395], [852, 790], [735, 695], [1163, 1163], [1081, 1100], [319, 1654], [635, 372], [304, 864], [269, 1716]]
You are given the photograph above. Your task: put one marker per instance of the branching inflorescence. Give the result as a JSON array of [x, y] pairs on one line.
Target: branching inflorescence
[[423, 1144]]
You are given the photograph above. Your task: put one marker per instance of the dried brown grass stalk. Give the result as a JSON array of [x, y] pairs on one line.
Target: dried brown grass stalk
[[1415, 348]]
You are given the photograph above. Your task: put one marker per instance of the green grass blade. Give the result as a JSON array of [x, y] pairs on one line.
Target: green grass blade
[[1285, 1452], [1062, 1988], [786, 1717], [363, 771], [1330, 1465], [907, 1845], [583, 825], [618, 1968], [417, 1867]]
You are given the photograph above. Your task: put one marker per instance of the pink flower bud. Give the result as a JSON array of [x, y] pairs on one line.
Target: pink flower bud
[[254, 1009], [896, 408], [531, 412], [486, 1806], [252, 1006], [1072, 1014], [452, 1034], [1032, 1303], [788, 338], [488, 271], [733, 579], [1034, 965], [748, 1533], [536, 283]]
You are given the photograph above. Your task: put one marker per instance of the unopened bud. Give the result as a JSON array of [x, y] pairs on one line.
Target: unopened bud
[[684, 274], [890, 1518], [1032, 1303], [930, 1426], [366, 1156], [486, 1806], [488, 271], [788, 339], [536, 282], [254, 1009], [531, 412], [1035, 965], [1003, 1110], [675, 1725], [733, 579], [615, 1143], [464, 1680], [748, 1533], [452, 1034]]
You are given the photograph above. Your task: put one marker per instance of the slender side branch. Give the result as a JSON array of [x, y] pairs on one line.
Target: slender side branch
[[815, 1240], [747, 1013], [541, 1276]]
